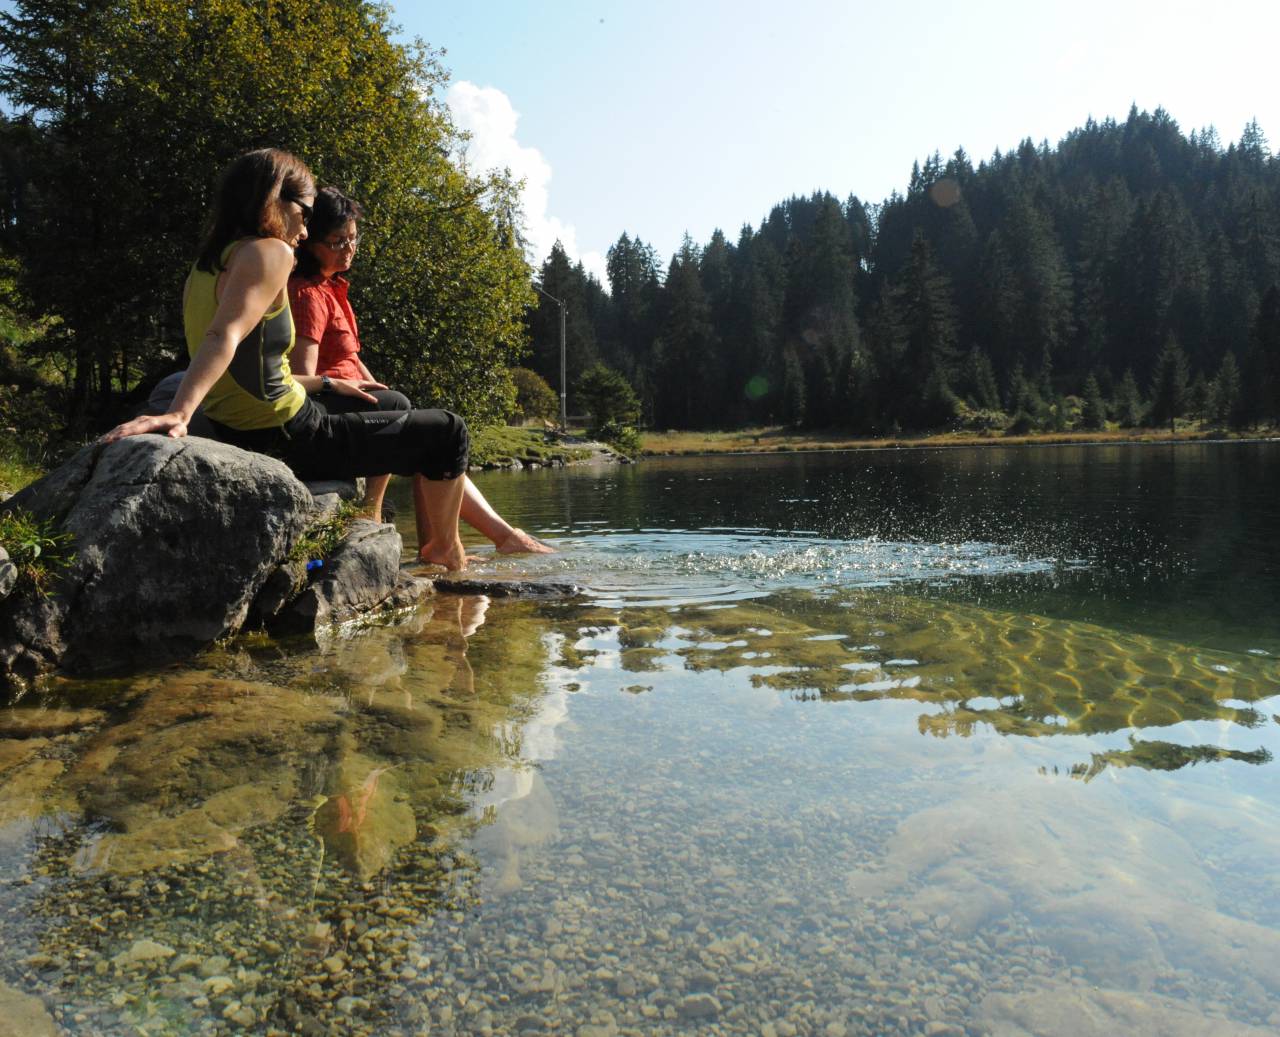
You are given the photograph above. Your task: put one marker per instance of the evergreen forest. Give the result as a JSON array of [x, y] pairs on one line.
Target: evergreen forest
[[1131, 274]]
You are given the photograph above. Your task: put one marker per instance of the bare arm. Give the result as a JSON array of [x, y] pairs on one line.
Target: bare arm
[[254, 279], [308, 352]]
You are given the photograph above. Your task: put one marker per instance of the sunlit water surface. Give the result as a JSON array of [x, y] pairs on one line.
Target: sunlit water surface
[[965, 742]]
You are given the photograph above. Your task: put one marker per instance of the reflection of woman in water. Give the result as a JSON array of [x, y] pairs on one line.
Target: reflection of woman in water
[[240, 333], [329, 346]]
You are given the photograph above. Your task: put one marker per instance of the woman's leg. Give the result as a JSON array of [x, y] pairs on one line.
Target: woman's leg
[[433, 443], [375, 486], [479, 514], [436, 503]]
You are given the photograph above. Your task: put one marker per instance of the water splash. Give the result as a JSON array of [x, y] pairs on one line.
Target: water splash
[[682, 567]]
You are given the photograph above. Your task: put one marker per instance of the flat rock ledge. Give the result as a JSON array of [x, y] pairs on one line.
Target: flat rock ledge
[[507, 588], [180, 543]]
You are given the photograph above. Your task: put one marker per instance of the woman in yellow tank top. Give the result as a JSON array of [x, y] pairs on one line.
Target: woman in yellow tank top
[[239, 333]]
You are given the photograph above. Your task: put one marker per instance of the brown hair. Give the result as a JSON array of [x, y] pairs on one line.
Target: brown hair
[[244, 205], [332, 210]]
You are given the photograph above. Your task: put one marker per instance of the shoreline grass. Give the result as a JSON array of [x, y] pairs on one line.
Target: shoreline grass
[[779, 439]]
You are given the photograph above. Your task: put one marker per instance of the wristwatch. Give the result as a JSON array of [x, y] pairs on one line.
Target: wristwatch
[[326, 383]]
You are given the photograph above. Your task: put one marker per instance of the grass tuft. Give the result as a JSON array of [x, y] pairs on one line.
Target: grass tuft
[[36, 546]]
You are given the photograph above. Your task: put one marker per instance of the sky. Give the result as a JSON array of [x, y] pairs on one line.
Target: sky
[[664, 118]]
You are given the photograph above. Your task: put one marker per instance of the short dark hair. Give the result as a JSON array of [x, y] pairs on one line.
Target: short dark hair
[[244, 204], [332, 209]]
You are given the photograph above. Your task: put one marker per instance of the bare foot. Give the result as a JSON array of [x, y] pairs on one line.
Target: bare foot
[[451, 556], [520, 542]]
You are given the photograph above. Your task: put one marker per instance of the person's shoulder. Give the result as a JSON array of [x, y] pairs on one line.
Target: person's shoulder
[[313, 283], [310, 288], [266, 255]]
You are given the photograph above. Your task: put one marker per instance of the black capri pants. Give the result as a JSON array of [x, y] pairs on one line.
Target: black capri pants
[[319, 444]]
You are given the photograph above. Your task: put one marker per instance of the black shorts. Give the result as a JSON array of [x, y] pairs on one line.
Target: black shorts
[[318, 444]]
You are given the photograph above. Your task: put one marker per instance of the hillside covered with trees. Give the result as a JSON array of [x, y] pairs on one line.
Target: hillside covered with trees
[[1130, 274]]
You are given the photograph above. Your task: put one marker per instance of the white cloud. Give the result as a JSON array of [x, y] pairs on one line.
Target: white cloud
[[488, 115]]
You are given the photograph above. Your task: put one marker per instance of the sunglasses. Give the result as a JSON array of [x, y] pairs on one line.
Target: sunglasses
[[306, 209]]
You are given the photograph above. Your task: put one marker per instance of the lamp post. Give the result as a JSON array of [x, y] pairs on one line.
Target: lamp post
[[564, 413]]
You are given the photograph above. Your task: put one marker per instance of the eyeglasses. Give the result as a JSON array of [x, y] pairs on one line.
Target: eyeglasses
[[342, 244], [306, 209]]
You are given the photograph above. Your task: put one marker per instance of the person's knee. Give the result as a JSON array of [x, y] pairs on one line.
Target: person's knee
[[390, 399], [451, 450]]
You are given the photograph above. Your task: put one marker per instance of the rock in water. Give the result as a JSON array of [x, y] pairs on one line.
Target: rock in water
[[362, 575], [507, 588], [173, 539], [22, 1015]]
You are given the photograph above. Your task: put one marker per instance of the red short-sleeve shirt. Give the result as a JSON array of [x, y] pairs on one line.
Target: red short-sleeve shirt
[[321, 312]]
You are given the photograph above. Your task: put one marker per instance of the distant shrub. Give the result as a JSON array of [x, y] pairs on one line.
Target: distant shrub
[[1021, 424], [625, 439], [980, 419], [535, 399]]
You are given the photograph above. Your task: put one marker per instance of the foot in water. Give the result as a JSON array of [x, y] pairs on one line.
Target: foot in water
[[520, 542], [452, 557]]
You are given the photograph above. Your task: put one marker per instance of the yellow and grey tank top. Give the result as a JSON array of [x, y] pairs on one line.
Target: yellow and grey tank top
[[257, 390]]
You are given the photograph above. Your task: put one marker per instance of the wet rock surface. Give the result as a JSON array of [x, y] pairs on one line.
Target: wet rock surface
[[361, 576], [499, 588]]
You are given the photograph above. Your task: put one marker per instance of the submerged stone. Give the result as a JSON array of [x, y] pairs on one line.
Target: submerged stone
[[22, 1015]]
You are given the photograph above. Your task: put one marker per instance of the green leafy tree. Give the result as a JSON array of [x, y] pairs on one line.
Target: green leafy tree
[[135, 106], [535, 399]]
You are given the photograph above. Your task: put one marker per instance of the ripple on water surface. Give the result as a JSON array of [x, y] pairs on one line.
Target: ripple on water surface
[[678, 567]]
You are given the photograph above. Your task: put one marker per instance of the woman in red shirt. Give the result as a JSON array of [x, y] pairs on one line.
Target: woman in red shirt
[[328, 344]]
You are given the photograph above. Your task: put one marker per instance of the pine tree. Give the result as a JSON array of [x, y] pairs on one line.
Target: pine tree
[[1261, 398], [1094, 413], [928, 319], [1128, 406], [686, 378], [560, 279], [1225, 397], [979, 381], [793, 390], [1169, 385]]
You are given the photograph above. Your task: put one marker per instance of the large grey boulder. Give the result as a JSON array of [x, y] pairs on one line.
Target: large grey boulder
[[173, 540]]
